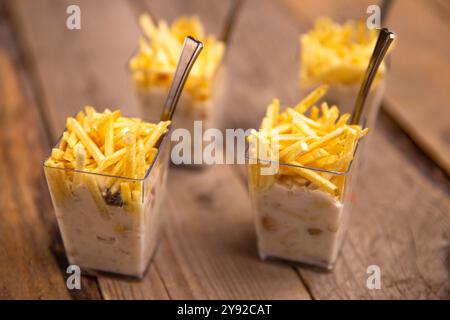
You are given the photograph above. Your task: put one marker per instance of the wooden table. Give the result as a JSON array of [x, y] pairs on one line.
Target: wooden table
[[402, 219]]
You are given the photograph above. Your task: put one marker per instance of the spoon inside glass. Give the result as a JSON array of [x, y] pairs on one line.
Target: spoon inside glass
[[230, 20], [190, 52], [386, 6], [385, 39]]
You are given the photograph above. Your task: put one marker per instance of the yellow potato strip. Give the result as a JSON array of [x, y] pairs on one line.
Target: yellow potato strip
[[321, 141], [141, 166], [292, 147], [72, 140], [94, 190], [326, 161], [296, 115], [115, 172], [343, 120], [90, 146], [304, 128], [311, 99], [283, 128], [315, 178], [274, 112], [80, 160], [125, 191], [312, 156], [109, 161], [314, 113], [57, 180], [109, 136], [57, 154], [151, 155], [130, 155], [290, 137], [157, 132]]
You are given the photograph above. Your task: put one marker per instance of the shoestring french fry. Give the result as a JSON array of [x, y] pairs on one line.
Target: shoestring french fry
[[324, 141], [80, 161], [337, 54], [107, 181], [302, 204], [89, 145], [159, 49], [311, 99], [75, 127]]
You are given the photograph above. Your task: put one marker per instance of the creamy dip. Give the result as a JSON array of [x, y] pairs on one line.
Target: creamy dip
[[123, 242], [299, 224]]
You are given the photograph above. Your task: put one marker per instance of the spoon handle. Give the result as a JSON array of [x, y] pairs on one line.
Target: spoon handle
[[386, 6], [385, 39], [230, 20], [191, 50]]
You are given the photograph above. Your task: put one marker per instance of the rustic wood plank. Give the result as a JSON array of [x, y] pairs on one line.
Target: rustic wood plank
[[401, 222], [193, 286], [196, 273], [133, 289], [210, 248], [416, 96], [42, 27], [408, 211], [30, 263], [27, 268], [404, 199], [403, 255]]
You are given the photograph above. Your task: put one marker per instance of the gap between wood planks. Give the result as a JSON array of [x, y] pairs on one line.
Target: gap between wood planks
[[154, 285], [349, 280]]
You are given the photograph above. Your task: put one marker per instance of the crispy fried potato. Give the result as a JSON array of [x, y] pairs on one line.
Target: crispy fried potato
[[323, 140]]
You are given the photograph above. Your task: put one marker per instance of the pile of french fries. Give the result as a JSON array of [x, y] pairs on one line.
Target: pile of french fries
[[337, 54], [106, 144], [159, 50], [321, 140]]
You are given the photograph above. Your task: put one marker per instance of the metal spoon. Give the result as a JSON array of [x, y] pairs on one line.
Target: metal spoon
[[191, 50], [386, 5], [385, 39], [230, 20]]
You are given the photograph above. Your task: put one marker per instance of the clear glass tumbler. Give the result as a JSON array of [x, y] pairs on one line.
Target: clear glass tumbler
[[110, 223], [203, 106], [295, 220], [344, 96]]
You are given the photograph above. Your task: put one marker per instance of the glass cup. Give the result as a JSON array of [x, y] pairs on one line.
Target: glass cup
[[344, 96], [295, 220], [151, 99], [110, 223]]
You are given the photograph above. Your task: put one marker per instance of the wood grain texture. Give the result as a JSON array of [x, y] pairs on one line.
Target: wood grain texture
[[401, 221], [417, 96], [150, 287], [210, 245], [209, 266], [99, 50], [404, 199], [27, 267], [30, 262], [417, 92], [88, 69], [406, 238]]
